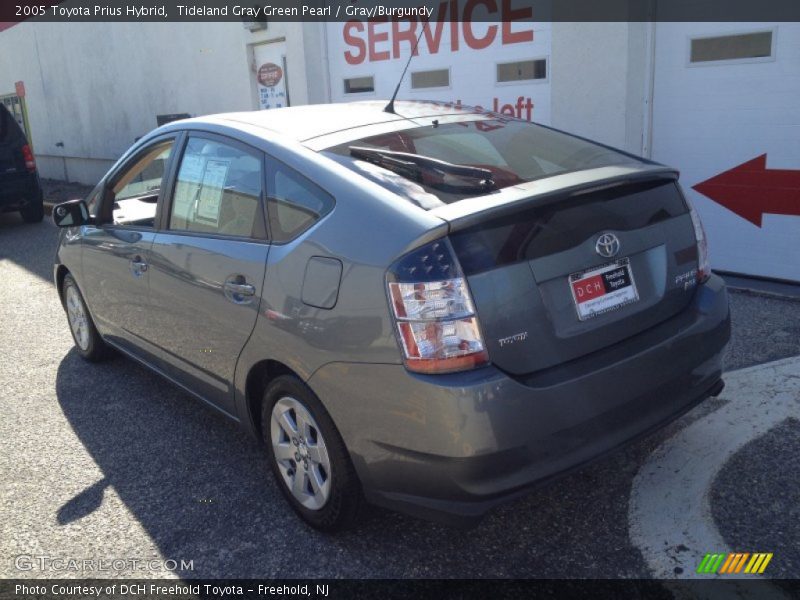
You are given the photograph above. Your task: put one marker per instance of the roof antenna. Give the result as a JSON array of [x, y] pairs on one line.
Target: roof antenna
[[389, 108]]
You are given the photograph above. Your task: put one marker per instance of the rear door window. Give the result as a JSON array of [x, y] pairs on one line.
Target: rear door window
[[218, 190], [294, 203], [11, 142], [10, 131]]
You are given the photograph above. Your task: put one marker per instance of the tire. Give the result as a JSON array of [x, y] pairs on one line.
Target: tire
[[87, 340], [334, 503], [33, 212]]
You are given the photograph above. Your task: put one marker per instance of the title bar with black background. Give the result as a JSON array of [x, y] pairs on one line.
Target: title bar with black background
[[385, 589], [12, 11]]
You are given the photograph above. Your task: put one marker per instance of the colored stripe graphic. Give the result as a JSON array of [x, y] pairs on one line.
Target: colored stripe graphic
[[734, 562], [701, 568], [710, 563], [741, 562], [729, 562], [758, 563]]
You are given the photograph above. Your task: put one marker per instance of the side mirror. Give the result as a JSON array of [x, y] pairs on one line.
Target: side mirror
[[71, 214]]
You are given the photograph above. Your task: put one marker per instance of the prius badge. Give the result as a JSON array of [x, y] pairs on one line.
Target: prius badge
[[607, 245]]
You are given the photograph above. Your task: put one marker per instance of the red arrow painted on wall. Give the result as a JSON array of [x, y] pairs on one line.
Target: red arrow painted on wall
[[750, 190]]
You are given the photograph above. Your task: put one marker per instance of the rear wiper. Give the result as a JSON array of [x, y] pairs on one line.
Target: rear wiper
[[410, 165]]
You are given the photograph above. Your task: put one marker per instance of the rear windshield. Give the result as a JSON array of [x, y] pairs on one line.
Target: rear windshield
[[10, 132], [513, 151]]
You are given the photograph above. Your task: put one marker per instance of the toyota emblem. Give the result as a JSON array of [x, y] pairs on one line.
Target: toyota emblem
[[607, 245]]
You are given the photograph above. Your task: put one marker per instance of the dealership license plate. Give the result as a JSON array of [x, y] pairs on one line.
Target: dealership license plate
[[603, 289]]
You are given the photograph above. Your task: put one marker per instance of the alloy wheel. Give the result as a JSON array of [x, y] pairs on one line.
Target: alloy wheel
[[76, 315], [300, 452]]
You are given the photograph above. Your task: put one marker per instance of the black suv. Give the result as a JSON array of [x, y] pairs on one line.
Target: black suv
[[19, 181]]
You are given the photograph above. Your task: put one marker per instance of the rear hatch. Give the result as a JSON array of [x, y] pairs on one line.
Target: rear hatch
[[547, 292], [568, 246], [12, 162]]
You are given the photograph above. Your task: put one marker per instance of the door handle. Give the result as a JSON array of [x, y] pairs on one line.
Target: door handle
[[138, 266], [242, 289], [237, 290]]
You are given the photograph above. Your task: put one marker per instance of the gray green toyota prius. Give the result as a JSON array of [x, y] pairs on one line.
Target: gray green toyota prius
[[430, 308]]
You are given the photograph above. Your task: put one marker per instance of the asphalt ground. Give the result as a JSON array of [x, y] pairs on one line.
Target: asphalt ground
[[768, 517], [108, 461]]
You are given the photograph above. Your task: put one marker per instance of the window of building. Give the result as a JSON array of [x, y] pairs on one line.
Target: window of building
[[218, 190], [294, 204], [430, 79], [522, 70], [742, 46], [359, 85]]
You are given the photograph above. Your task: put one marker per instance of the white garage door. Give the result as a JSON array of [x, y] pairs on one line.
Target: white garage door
[[726, 112]]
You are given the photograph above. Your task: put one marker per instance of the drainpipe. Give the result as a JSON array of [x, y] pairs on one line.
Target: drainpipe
[[326, 61], [63, 158], [650, 72]]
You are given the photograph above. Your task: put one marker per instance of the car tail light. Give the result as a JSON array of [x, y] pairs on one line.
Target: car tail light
[[30, 161], [433, 309], [703, 268]]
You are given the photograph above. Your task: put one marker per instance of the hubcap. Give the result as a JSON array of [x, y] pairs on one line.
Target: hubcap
[[76, 316], [301, 454]]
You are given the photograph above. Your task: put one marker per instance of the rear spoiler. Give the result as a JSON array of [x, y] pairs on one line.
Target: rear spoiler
[[473, 211]]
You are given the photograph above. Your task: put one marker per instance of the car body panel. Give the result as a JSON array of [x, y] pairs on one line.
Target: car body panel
[[200, 326], [118, 296]]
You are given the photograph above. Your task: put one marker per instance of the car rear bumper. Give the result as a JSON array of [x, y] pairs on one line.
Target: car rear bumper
[[18, 190], [451, 447]]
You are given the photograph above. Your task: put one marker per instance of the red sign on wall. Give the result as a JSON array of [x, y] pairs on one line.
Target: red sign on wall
[[751, 190], [380, 39], [19, 86], [269, 74]]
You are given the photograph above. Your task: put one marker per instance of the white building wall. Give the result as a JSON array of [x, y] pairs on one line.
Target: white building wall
[[96, 87], [599, 83]]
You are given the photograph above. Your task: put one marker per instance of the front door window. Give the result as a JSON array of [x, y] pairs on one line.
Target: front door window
[[136, 189]]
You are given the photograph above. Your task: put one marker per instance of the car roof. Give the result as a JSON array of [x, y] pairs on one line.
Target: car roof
[[303, 123]]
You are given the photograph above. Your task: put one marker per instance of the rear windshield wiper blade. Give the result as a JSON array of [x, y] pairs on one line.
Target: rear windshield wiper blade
[[409, 164]]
